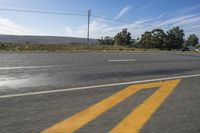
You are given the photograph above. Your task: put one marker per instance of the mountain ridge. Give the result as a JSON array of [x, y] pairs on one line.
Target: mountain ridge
[[39, 39]]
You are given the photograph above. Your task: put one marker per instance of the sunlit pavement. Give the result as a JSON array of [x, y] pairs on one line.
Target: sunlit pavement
[[164, 106]]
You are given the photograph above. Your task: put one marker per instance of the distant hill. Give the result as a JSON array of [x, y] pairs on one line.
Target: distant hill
[[44, 40]]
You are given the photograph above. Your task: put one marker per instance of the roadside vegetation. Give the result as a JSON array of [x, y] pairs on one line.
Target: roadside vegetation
[[155, 40], [66, 48]]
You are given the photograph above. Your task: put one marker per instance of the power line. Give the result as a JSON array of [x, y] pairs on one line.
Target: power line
[[113, 19], [64, 13], [43, 12], [120, 20], [39, 6], [88, 14], [73, 14]]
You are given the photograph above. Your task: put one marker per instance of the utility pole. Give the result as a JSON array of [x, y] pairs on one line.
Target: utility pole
[[88, 34]]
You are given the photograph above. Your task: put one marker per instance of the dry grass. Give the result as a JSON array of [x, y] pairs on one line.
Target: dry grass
[[67, 48]]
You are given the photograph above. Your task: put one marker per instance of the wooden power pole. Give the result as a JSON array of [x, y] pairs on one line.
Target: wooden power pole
[[88, 33]]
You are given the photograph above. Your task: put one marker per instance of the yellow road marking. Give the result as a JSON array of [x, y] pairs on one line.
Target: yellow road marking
[[139, 116], [80, 119]]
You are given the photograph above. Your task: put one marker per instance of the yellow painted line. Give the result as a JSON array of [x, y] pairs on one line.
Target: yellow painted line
[[80, 119], [139, 116]]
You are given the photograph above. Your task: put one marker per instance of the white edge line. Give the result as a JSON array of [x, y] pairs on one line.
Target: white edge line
[[95, 86]]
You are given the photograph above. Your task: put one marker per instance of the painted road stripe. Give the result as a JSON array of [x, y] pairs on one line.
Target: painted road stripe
[[122, 60], [139, 116], [96, 86], [80, 119], [27, 67]]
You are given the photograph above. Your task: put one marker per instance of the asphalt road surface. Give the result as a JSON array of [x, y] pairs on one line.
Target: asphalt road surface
[[100, 92]]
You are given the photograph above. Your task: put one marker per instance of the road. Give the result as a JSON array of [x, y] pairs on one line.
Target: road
[[40, 90]]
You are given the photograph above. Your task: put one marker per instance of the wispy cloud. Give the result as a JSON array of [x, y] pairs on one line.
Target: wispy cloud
[[188, 10], [123, 11], [161, 15], [101, 28], [9, 27], [146, 5], [193, 8], [190, 23]]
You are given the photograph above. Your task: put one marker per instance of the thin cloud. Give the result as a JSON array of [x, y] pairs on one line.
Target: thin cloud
[[146, 5], [178, 20], [99, 28], [193, 8], [188, 10], [9, 27], [161, 15], [123, 11]]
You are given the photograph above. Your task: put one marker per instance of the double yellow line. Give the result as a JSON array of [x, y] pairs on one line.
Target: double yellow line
[[130, 124]]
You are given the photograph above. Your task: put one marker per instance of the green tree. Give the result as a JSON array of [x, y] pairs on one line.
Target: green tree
[[106, 41], [146, 40], [158, 38], [123, 38], [192, 40], [175, 38]]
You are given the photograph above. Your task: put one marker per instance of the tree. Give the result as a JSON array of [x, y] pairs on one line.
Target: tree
[[158, 38], [106, 41], [123, 38], [192, 40], [146, 40], [175, 38], [154, 39]]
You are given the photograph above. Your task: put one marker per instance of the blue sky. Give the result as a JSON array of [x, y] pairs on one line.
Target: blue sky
[[142, 15]]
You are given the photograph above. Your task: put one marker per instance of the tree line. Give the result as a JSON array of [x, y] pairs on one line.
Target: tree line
[[157, 38]]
